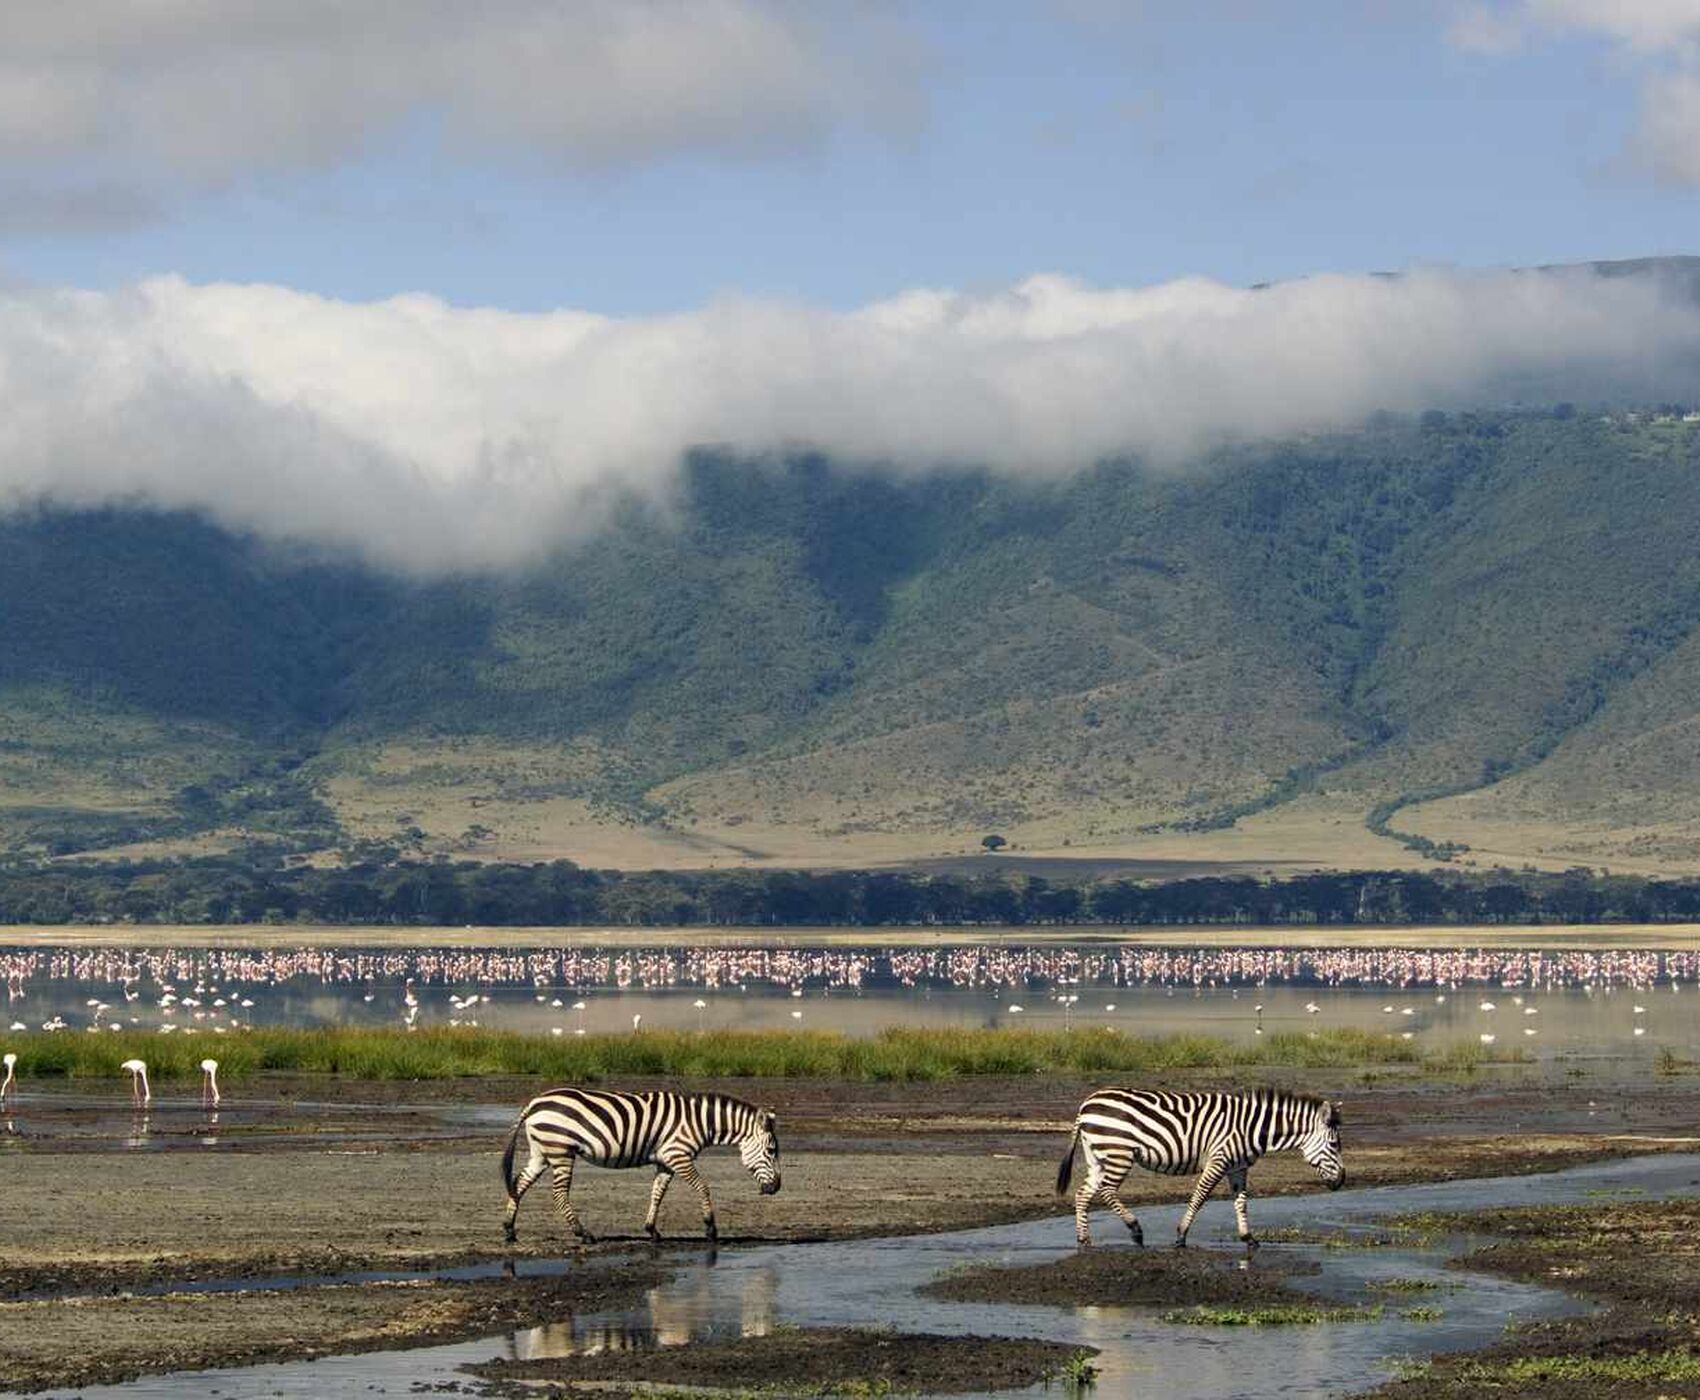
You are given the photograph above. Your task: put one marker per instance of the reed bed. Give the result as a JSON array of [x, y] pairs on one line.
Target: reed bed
[[895, 1054]]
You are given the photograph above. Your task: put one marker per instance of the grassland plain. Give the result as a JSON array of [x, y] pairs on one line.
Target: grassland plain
[[1581, 936], [807, 663]]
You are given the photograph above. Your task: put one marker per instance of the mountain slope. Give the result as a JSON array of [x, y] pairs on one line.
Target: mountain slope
[[797, 661]]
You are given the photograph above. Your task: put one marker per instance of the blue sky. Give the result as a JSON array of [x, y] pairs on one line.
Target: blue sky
[[1120, 144]]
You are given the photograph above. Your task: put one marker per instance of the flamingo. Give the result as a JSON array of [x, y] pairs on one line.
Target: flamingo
[[8, 1086], [209, 1084], [140, 1095]]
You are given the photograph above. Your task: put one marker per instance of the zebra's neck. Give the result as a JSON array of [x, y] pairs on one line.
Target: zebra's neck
[[728, 1120], [1288, 1121]]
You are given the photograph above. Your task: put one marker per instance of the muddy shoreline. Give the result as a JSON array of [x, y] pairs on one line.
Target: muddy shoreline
[[84, 1232]]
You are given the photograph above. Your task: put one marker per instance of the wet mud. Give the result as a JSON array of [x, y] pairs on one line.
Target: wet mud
[[363, 1179], [1639, 1259], [805, 1362], [96, 1340], [1131, 1278]]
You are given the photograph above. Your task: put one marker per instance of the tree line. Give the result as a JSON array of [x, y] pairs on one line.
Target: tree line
[[231, 890]]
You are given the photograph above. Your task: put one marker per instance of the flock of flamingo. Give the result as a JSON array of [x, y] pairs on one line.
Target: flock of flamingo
[[141, 1094]]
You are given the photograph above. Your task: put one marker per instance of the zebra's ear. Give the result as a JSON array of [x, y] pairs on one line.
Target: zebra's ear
[[769, 1119], [1333, 1114]]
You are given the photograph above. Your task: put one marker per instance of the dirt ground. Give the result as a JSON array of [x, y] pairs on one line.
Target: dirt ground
[[1640, 1259], [315, 1190], [806, 1361]]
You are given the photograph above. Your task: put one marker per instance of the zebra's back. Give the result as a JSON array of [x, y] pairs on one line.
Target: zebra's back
[[1169, 1132], [608, 1127]]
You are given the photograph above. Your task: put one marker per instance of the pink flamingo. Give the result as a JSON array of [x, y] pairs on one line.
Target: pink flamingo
[[209, 1084], [140, 1095]]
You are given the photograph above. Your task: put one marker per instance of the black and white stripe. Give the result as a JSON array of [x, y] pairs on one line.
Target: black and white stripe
[[632, 1130], [1214, 1134]]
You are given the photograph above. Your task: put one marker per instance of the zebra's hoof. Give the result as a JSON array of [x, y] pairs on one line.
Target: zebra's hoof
[[710, 1232], [1250, 1242], [1138, 1235], [1083, 1244], [585, 1237], [653, 1233], [1180, 1241], [510, 1234]]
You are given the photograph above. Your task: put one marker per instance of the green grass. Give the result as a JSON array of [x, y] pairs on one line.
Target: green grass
[[1408, 1285], [1270, 1315], [1678, 1366], [897, 1054]]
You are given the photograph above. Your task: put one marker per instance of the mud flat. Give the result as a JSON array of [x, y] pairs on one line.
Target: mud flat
[[87, 1340], [1639, 1259], [115, 1254], [1126, 1278], [806, 1361]]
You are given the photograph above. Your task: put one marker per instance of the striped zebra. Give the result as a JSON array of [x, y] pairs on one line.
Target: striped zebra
[[632, 1130], [1214, 1134]]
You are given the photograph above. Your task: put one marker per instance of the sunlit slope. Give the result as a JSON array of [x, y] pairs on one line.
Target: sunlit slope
[[792, 660]]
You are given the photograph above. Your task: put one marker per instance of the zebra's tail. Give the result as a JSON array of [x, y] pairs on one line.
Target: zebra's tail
[[508, 1154], [1066, 1170]]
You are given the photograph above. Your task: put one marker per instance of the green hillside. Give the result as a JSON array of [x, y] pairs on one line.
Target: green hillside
[[792, 661]]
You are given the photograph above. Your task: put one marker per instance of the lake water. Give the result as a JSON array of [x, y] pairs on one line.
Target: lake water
[[1562, 1002]]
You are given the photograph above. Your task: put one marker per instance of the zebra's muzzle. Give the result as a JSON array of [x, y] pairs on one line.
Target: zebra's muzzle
[[770, 1188], [1334, 1183]]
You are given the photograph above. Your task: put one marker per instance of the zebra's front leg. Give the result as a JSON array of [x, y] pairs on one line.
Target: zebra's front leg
[[686, 1170], [1207, 1180], [1236, 1179], [560, 1187], [663, 1179]]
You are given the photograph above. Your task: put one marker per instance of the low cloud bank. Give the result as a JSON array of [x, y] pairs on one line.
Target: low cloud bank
[[431, 437]]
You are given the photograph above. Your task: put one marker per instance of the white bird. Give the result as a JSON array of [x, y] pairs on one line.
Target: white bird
[[1109, 1006], [1312, 1008], [554, 1030], [1528, 1030], [1639, 1010], [1407, 1011], [1407, 1035], [19, 1026], [209, 1084], [1440, 1000], [796, 1015], [1015, 1009], [637, 1017], [1487, 1006], [1531, 1011], [1487, 1037], [8, 1085], [1640, 1030], [140, 1095], [1387, 1010]]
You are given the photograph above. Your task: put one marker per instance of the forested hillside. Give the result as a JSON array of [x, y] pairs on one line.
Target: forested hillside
[[1468, 629]]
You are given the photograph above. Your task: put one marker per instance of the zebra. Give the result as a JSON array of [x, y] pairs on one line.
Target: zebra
[[1215, 1134], [631, 1130]]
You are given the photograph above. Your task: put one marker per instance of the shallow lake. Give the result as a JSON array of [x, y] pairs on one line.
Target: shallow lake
[[1561, 1002]]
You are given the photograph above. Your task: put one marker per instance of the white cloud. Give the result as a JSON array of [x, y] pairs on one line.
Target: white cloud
[[179, 96], [1660, 41], [432, 437]]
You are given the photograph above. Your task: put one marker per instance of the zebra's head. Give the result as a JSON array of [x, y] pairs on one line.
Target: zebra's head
[[758, 1149], [1320, 1146]]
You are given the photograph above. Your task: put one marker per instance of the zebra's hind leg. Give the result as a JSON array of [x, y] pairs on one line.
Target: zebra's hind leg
[[1236, 1179], [533, 1169], [1114, 1201], [560, 1187], [651, 1223]]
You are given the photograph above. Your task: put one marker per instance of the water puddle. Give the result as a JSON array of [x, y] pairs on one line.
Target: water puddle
[[750, 1291]]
